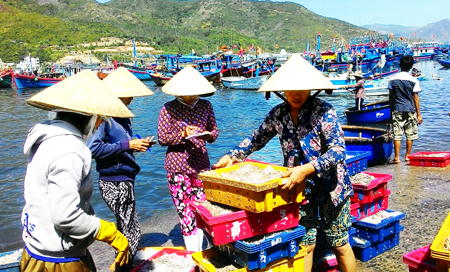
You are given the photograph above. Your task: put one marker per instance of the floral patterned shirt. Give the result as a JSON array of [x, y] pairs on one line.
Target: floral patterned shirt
[[186, 156], [317, 139]]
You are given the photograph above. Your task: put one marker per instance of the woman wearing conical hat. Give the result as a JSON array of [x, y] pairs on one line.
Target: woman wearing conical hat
[[185, 125], [312, 143], [58, 220], [113, 148]]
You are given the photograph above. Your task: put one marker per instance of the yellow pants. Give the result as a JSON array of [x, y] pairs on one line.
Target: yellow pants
[[30, 264]]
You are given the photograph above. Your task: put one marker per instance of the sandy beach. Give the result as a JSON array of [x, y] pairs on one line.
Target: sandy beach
[[420, 192]]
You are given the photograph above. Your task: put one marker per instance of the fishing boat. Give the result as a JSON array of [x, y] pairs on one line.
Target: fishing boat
[[378, 141], [5, 78], [24, 81], [377, 112], [248, 83], [444, 62], [160, 79]]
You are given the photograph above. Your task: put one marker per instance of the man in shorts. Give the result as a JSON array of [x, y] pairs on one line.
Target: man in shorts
[[404, 104]]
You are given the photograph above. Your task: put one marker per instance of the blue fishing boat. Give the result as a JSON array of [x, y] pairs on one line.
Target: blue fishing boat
[[378, 141], [24, 81], [444, 62], [377, 112]]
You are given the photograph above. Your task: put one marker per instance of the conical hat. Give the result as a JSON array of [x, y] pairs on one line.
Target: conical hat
[[188, 82], [82, 93], [125, 84], [296, 74]]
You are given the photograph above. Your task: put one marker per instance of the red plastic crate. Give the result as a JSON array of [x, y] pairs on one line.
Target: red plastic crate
[[244, 224], [424, 159], [420, 260], [367, 209], [327, 264], [166, 251], [368, 193]]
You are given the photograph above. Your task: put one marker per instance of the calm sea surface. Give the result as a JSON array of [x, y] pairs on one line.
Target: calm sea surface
[[238, 113]]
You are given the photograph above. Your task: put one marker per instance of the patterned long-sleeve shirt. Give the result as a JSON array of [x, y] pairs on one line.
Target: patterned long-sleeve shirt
[[317, 139], [186, 156]]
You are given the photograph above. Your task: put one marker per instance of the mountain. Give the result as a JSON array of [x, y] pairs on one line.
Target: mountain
[[440, 30], [179, 26]]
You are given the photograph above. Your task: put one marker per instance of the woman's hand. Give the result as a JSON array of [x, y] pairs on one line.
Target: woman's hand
[[224, 162], [139, 144], [297, 175], [190, 130]]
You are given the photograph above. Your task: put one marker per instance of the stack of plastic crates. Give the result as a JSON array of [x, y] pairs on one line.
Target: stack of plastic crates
[[438, 252], [374, 237], [263, 234]]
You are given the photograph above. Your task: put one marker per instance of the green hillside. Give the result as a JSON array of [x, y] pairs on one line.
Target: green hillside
[[172, 26]]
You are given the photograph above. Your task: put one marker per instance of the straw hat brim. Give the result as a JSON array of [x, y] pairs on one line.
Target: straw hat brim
[[82, 93], [188, 81], [124, 84], [296, 74]]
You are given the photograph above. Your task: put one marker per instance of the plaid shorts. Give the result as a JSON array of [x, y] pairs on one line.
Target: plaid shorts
[[334, 221], [405, 123]]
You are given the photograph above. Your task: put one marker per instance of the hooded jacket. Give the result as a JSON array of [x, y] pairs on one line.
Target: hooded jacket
[[58, 220]]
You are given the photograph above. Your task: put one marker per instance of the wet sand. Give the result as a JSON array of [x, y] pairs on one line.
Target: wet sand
[[422, 193]]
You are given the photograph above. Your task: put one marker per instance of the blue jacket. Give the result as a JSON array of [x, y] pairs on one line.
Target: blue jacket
[[111, 150]]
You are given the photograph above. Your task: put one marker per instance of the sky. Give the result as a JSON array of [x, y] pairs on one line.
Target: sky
[[387, 12]]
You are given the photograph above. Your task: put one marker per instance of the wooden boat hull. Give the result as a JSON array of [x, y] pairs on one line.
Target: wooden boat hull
[[159, 79], [444, 63], [378, 141], [378, 112], [23, 81], [252, 83], [5, 80]]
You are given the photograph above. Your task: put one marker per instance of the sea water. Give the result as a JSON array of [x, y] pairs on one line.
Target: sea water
[[238, 113]]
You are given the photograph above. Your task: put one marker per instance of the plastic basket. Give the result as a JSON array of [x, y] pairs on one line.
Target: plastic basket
[[357, 162], [255, 198], [161, 253], [295, 264], [420, 260], [437, 245], [369, 250], [364, 194], [244, 224], [326, 264], [379, 231], [14, 265], [259, 255], [427, 159], [367, 209]]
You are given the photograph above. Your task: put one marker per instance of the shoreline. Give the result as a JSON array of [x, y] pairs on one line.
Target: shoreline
[[419, 192]]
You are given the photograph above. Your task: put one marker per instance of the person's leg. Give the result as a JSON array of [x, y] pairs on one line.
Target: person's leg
[[310, 220], [119, 197], [397, 127], [411, 132], [397, 145], [181, 190], [337, 222], [345, 258]]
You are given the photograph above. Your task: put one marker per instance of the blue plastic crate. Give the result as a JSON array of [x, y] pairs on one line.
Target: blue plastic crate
[[367, 250], [257, 256], [377, 232], [14, 265], [358, 161]]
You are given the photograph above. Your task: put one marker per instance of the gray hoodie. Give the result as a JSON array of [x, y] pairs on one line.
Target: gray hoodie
[[58, 220]]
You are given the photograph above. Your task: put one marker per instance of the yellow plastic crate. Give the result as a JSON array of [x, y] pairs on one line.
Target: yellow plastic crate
[[295, 264], [442, 256], [255, 198]]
